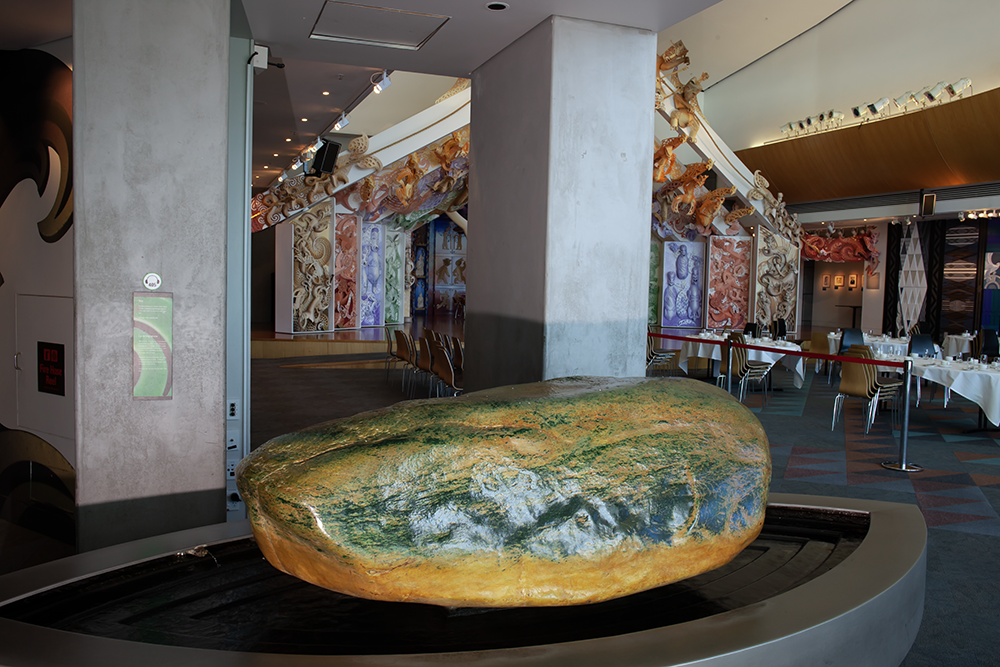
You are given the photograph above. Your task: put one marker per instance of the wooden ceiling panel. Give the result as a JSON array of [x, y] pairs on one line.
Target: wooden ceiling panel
[[954, 143]]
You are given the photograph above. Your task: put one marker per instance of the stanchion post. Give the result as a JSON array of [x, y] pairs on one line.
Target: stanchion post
[[904, 434], [729, 365]]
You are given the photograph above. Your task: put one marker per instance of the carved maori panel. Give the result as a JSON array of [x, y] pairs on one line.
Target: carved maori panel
[[394, 286], [372, 275], [311, 261], [346, 272], [728, 282], [683, 273], [777, 279]]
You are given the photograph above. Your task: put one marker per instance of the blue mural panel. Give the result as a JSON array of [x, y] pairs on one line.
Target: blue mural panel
[[683, 292], [372, 275]]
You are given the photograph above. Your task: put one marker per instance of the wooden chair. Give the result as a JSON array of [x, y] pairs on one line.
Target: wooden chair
[[443, 369], [425, 363], [457, 356], [885, 389], [819, 343], [854, 383], [847, 339], [391, 356]]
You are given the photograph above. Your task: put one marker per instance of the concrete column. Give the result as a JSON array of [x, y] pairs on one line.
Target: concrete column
[[561, 184], [150, 143]]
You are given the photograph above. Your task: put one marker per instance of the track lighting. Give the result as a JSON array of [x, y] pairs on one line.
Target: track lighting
[[959, 86], [876, 108], [934, 94], [973, 215], [812, 120], [835, 117], [341, 123], [961, 216], [904, 99], [786, 128], [382, 83], [860, 111], [991, 214]]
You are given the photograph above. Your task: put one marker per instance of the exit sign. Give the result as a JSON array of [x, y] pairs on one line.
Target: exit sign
[[52, 368]]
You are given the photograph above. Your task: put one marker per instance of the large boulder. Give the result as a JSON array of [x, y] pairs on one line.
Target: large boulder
[[553, 493]]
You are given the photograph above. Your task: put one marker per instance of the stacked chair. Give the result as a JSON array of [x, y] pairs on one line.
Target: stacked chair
[[658, 360], [437, 357], [862, 381], [744, 369], [848, 338]]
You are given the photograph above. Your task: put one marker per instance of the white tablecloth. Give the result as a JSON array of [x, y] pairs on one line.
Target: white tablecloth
[[979, 384], [897, 346], [956, 346], [779, 349]]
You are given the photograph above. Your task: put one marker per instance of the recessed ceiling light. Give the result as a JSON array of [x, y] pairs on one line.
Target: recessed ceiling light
[[265, 166], [287, 139], [326, 92], [497, 6], [304, 119], [257, 176], [275, 155]]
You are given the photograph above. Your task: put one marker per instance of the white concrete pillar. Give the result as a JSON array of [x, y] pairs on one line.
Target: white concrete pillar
[[562, 145], [150, 148]]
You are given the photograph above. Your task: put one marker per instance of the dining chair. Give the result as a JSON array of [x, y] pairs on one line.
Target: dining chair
[[819, 342], [779, 329], [848, 338], [887, 389], [659, 360], [854, 383], [922, 345], [425, 363], [986, 342], [404, 348], [457, 356], [391, 357], [746, 369], [443, 370]]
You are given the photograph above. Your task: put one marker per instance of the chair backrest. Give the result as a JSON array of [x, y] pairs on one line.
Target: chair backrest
[[424, 359], [851, 337], [740, 358], [441, 364], [819, 342], [403, 347], [457, 355], [779, 329], [921, 344], [990, 344], [752, 329], [855, 379]]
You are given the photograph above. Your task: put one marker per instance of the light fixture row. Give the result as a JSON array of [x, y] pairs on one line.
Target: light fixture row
[[975, 215], [925, 96], [824, 120]]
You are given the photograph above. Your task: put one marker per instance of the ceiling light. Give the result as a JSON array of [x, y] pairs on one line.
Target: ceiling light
[[281, 179], [296, 165], [304, 119], [497, 6], [382, 83], [287, 139], [876, 108], [326, 92], [860, 111], [275, 155], [812, 120], [973, 215], [961, 216], [786, 128], [341, 123], [959, 86], [991, 214], [265, 166], [904, 99], [934, 94]]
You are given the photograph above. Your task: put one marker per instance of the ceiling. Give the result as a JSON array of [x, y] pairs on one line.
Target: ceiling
[[291, 109]]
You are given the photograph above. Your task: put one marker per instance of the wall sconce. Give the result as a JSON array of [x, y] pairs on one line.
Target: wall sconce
[[871, 282]]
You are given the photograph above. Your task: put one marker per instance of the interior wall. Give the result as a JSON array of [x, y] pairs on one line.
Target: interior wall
[[829, 310], [262, 277], [868, 50], [151, 103]]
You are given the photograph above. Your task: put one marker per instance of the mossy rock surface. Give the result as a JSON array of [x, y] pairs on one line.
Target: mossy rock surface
[[563, 492]]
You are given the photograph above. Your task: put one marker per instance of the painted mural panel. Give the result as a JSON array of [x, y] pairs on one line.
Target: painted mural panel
[[372, 275], [395, 247], [312, 251], [991, 276], [777, 279], [449, 266], [728, 282], [683, 271], [652, 317], [346, 271]]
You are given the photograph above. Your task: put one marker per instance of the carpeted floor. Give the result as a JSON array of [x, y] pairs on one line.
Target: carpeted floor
[[958, 492]]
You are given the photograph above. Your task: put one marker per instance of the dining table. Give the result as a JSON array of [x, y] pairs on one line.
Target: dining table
[[711, 346], [880, 344], [980, 383], [958, 345]]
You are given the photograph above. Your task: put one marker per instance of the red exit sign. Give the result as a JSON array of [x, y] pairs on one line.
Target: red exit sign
[[52, 368]]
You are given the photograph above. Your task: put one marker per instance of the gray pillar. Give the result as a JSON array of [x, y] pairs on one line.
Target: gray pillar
[[150, 141], [559, 211]]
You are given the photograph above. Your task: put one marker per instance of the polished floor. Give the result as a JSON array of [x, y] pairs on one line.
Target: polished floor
[[958, 491]]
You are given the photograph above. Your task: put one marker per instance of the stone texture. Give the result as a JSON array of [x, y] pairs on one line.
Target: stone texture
[[562, 492]]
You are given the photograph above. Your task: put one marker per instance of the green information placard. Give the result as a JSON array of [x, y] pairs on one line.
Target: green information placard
[[152, 346]]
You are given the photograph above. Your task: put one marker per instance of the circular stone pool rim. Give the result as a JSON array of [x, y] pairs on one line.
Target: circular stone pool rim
[[865, 611]]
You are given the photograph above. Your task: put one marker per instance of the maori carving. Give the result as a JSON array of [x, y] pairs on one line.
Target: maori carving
[[346, 271], [854, 248], [664, 158], [728, 282], [686, 111], [784, 223], [777, 276], [311, 261], [708, 208]]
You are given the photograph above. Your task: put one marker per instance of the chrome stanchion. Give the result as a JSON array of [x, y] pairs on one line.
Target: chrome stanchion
[[729, 366], [901, 464]]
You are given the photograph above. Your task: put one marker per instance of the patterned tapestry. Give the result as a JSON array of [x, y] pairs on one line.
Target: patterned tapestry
[[683, 271], [372, 275], [991, 276], [395, 247], [311, 252], [450, 247], [345, 273], [728, 282], [652, 317], [958, 285], [777, 279]]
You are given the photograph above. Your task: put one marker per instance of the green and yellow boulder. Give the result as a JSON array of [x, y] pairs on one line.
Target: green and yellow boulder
[[563, 492]]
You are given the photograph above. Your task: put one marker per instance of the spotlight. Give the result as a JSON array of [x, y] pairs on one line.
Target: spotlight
[[786, 128], [812, 120], [973, 215], [921, 95], [908, 222], [876, 108], [961, 216], [801, 125], [934, 94], [295, 165], [341, 123], [991, 214], [281, 179], [860, 111], [382, 83], [835, 117], [904, 99], [959, 86]]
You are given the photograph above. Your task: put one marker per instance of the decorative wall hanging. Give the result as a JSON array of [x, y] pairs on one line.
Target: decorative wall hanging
[[838, 281], [372, 275], [959, 283], [395, 249], [311, 261], [850, 247], [777, 279], [683, 268], [991, 277], [345, 272], [450, 248], [728, 282], [912, 281], [654, 283]]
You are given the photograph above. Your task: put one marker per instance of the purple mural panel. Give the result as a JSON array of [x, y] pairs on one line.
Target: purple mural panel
[[683, 294], [372, 275]]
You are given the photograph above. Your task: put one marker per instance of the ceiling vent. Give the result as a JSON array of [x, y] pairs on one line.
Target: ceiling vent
[[375, 26]]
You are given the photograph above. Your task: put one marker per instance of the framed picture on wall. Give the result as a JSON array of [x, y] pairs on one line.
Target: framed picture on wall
[[826, 280], [852, 281], [838, 280]]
